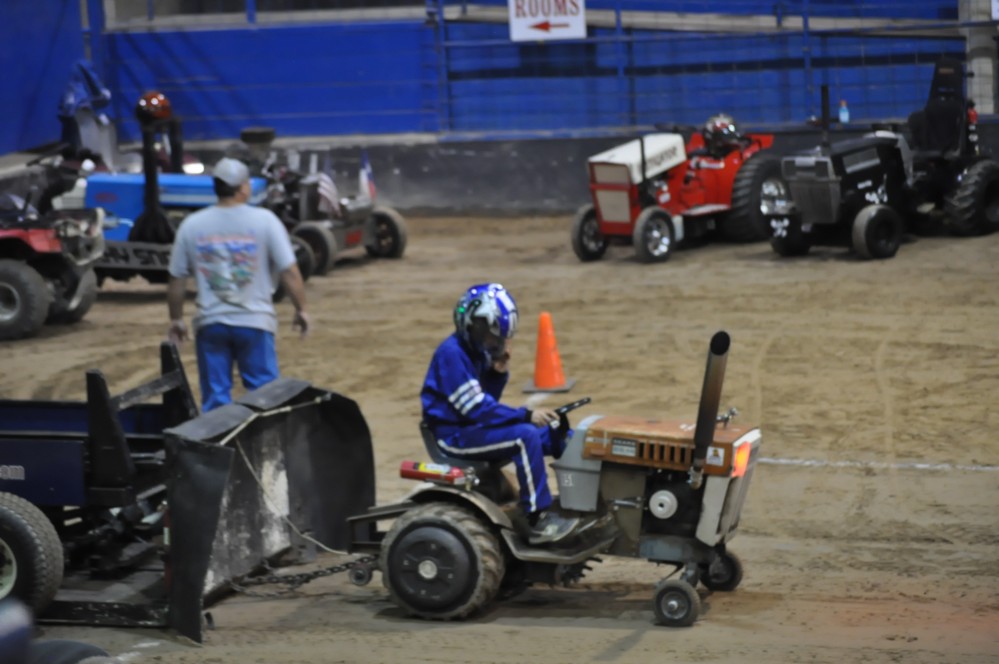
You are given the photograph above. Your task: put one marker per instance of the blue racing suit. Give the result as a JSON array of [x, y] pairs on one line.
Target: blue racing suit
[[460, 398]]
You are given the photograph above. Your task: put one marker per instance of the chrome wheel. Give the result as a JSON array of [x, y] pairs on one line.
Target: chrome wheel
[[10, 302]]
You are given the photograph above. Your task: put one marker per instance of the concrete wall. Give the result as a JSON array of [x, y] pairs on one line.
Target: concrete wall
[[504, 177]]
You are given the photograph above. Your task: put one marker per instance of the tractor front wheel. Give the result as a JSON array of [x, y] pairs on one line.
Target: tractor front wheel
[[320, 239], [587, 240], [676, 603], [65, 311], [304, 257], [653, 235], [24, 300], [388, 234], [877, 232], [306, 261], [440, 561], [974, 207], [724, 573], [31, 558]]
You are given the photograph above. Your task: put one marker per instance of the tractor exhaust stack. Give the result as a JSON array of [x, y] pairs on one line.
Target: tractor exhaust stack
[[707, 411]]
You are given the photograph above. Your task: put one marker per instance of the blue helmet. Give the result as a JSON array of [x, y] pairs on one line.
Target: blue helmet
[[490, 302]]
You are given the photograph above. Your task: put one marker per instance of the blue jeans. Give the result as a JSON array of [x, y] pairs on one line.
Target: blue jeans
[[218, 346]]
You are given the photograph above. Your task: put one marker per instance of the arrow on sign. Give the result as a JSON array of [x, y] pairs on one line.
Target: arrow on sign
[[547, 26]]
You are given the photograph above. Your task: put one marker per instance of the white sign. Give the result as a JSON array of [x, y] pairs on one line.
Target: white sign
[[540, 20], [995, 10]]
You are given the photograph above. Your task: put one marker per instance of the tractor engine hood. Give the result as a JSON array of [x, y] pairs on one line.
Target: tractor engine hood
[[661, 153], [665, 444]]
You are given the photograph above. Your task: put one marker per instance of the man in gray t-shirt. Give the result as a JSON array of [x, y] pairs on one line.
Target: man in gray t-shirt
[[232, 249]]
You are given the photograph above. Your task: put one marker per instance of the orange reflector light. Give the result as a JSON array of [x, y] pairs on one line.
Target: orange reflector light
[[741, 459]]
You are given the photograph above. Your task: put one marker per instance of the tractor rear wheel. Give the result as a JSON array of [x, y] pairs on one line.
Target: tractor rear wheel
[[676, 603], [587, 240], [756, 192], [24, 300], [441, 561], [72, 310], [653, 235], [787, 238], [724, 573], [320, 239], [974, 207], [388, 233], [31, 558], [877, 232]]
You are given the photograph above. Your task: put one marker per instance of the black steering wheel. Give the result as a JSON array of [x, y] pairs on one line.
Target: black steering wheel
[[569, 407]]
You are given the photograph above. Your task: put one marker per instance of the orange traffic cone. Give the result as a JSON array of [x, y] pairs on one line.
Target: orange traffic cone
[[548, 376]]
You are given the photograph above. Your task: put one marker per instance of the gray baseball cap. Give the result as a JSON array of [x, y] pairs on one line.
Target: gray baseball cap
[[231, 171]]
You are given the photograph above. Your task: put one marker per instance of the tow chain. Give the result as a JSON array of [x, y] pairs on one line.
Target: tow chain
[[295, 581]]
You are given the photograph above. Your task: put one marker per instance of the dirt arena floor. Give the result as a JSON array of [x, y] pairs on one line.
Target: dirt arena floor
[[871, 532]]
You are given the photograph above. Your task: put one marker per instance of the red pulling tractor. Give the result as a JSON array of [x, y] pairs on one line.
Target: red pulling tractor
[[655, 191]]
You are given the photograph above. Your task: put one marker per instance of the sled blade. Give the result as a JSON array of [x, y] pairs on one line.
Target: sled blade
[[254, 479]]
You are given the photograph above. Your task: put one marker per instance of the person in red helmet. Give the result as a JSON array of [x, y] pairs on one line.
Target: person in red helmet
[[721, 135], [153, 107]]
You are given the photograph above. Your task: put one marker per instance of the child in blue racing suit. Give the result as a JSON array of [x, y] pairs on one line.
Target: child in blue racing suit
[[460, 399]]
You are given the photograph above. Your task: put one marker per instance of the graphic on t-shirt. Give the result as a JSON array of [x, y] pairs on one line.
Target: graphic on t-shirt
[[228, 263]]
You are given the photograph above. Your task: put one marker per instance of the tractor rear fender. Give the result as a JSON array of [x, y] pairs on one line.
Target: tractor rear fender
[[249, 479], [429, 493], [765, 141]]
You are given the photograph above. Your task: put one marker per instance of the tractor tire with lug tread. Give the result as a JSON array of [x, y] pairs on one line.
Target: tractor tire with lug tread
[[787, 237], [25, 299], [653, 235], [676, 603], [877, 232], [723, 574], [587, 241], [441, 561], [757, 186], [974, 207], [31, 555], [388, 232], [67, 312], [322, 242]]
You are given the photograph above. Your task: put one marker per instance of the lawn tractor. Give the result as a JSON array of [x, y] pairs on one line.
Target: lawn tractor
[[46, 265], [313, 210], [655, 192], [132, 509], [866, 193], [671, 492]]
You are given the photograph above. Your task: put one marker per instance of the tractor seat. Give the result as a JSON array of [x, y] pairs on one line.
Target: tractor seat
[[937, 130], [479, 466]]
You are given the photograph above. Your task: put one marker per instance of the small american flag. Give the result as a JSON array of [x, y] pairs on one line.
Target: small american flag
[[329, 197], [366, 179]]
